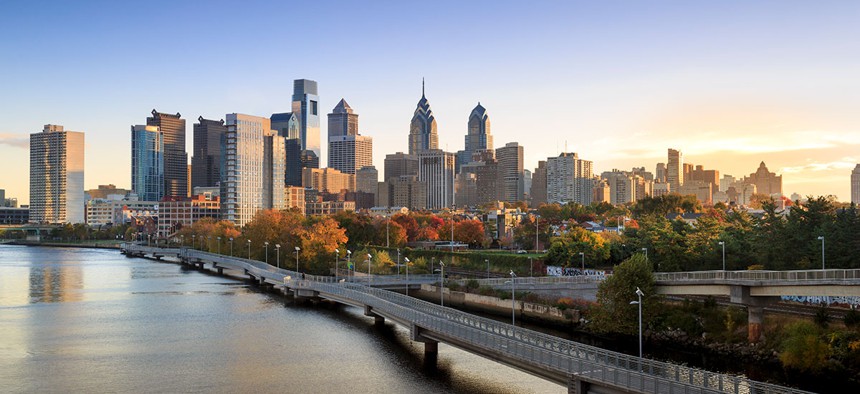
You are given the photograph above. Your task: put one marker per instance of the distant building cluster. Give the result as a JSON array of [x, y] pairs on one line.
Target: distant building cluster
[[242, 164]]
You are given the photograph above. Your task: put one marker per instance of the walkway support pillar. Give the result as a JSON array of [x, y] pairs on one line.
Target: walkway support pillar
[[755, 309], [754, 320], [575, 385]]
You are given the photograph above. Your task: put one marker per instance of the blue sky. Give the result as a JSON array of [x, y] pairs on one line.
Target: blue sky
[[728, 83]]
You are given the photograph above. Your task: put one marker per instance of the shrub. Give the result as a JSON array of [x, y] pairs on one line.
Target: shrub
[[755, 267], [487, 291], [821, 316], [454, 286], [803, 349], [472, 284], [852, 318]]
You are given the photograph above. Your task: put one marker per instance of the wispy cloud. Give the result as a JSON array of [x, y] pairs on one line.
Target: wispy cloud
[[15, 140], [846, 163]]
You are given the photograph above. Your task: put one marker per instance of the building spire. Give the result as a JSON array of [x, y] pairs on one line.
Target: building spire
[[422, 86]]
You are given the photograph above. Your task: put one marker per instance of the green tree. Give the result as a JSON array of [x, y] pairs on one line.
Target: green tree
[[564, 250], [613, 312]]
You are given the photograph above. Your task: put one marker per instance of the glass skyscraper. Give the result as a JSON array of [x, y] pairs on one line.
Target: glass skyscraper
[[147, 162], [175, 157], [206, 162], [243, 167], [57, 176], [422, 128], [306, 108]]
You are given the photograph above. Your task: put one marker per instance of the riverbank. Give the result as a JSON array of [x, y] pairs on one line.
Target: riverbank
[[90, 245]]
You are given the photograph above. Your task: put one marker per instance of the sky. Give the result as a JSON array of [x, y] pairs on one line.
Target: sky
[[729, 83]]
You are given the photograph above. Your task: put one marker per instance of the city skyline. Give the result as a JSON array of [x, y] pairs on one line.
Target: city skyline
[[729, 85]]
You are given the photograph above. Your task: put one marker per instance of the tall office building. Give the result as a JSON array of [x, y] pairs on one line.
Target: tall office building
[[175, 158], [57, 176], [242, 187], [538, 189], [855, 185], [422, 128], [399, 164], [569, 179], [342, 121], [306, 108], [510, 185], [206, 161], [675, 170], [347, 150], [661, 172], [287, 125], [765, 182], [436, 170], [147, 162], [367, 180], [478, 136], [274, 170]]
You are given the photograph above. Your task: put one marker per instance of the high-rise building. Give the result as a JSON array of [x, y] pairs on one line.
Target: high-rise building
[[243, 167], [510, 185], [422, 128], [306, 107], [57, 176], [274, 170], [712, 177], [294, 162], [342, 121], [675, 170], [765, 182], [399, 164], [569, 179], [539, 181], [147, 162], [206, 161], [661, 173], [478, 136], [436, 170], [367, 180], [404, 191], [855, 185], [175, 158], [328, 180], [726, 182], [287, 125], [527, 183]]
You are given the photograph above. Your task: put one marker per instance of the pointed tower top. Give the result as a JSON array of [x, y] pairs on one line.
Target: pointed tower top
[[422, 86]]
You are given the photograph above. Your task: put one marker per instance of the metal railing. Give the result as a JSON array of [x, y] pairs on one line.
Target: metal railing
[[539, 280], [850, 276], [563, 357]]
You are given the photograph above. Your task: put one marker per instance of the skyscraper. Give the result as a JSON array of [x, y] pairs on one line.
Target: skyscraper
[[175, 158], [242, 187], [206, 161], [57, 176], [422, 128], [855, 185], [675, 170], [287, 125], [399, 164], [293, 176], [478, 136], [306, 108], [342, 121], [539, 181], [765, 182], [347, 150], [569, 179], [274, 170], [436, 170], [147, 162], [510, 185]]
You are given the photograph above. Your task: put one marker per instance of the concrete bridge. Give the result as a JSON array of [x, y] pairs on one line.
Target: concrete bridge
[[758, 289], [580, 368]]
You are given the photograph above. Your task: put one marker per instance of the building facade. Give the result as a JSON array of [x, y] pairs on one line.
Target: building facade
[[399, 164], [274, 170], [57, 176], [478, 136], [348, 153], [539, 182], [327, 180], [174, 215], [175, 165], [510, 184], [147, 162], [306, 107], [243, 167], [436, 170], [569, 179], [765, 182], [422, 128], [675, 170], [206, 160], [342, 121]]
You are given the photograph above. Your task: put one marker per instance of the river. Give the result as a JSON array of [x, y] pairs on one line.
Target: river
[[82, 320]]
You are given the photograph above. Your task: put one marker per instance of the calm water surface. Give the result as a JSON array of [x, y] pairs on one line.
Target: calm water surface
[[79, 320]]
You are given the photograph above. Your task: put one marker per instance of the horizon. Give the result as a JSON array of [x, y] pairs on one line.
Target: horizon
[[729, 85]]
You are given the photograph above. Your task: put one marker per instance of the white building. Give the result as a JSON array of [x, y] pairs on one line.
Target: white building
[[242, 184], [436, 171], [569, 179], [57, 176]]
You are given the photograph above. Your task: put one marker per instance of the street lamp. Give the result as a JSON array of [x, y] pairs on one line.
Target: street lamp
[[488, 267], [639, 294], [193, 241], [231, 246], [441, 282], [336, 257], [278, 249], [407, 275], [297, 258], [369, 257], [349, 262], [387, 221], [723, 244], [513, 298], [249, 249], [646, 253], [182, 239], [821, 238], [219, 245], [537, 231], [398, 263], [209, 243], [266, 244], [582, 255]]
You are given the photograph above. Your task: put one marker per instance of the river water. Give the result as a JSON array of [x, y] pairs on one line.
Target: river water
[[93, 321]]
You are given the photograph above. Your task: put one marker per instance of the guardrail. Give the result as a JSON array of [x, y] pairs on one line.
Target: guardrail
[[565, 357], [538, 280], [848, 275]]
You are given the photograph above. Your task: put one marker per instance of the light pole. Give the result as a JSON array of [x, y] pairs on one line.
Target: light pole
[[821, 238], [488, 267], [537, 231], [646, 253], [432, 263], [398, 263], [387, 221], [441, 283], [249, 249], [193, 241], [407, 275], [369, 257], [182, 240], [219, 245], [531, 268], [278, 249], [582, 255], [723, 244], [297, 258], [266, 244], [336, 257], [349, 262], [513, 299], [209, 243], [639, 294], [231, 246]]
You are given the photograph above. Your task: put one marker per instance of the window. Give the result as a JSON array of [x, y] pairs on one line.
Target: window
[[313, 107]]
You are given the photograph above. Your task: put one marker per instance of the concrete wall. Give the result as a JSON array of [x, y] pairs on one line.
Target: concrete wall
[[498, 306]]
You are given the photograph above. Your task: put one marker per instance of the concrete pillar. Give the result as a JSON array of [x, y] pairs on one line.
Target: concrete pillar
[[756, 315], [378, 320], [220, 271], [431, 353], [576, 385]]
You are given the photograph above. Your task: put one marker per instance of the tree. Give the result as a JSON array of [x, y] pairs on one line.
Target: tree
[[319, 242], [408, 223], [470, 232], [566, 247], [613, 312]]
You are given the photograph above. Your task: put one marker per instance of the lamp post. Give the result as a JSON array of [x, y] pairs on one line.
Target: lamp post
[[231, 246], [336, 257], [639, 294], [513, 298], [387, 221], [278, 249], [723, 244], [182, 240], [488, 267], [209, 243], [297, 258], [266, 244], [407, 275], [193, 241], [398, 263], [646, 253], [369, 257], [441, 283], [249, 249], [219, 245], [432, 263], [349, 262], [582, 255], [821, 238], [537, 231]]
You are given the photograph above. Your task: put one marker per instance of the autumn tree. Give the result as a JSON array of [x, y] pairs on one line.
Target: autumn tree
[[470, 232], [564, 249]]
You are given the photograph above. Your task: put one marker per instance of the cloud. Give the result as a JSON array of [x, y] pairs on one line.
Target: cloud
[[847, 163], [15, 140]]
